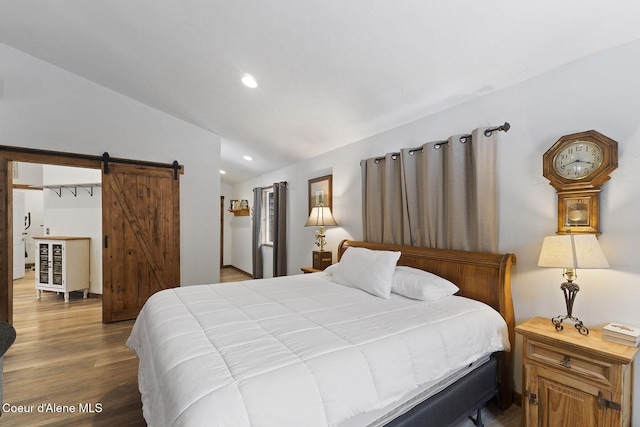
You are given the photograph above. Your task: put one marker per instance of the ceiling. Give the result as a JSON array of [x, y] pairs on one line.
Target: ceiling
[[329, 72]]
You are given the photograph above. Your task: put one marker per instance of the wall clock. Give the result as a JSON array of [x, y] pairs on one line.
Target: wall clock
[[577, 166]]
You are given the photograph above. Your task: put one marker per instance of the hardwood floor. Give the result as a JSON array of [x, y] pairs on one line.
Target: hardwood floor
[[65, 356]]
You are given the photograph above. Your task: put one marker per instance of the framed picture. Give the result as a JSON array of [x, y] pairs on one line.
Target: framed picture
[[320, 190], [578, 211]]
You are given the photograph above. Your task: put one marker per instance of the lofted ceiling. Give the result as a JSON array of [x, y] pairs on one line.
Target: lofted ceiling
[[329, 72]]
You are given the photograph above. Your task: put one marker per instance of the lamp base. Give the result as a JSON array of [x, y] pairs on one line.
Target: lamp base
[[570, 291], [557, 322]]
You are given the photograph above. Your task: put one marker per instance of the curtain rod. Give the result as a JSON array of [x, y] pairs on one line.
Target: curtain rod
[[502, 128], [463, 138], [271, 186]]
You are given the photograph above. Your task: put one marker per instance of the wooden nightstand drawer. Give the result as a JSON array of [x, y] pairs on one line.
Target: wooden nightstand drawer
[[566, 360]]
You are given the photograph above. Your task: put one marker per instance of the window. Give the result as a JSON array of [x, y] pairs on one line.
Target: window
[[267, 216]]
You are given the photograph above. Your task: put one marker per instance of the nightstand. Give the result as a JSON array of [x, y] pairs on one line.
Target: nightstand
[[570, 379], [322, 259], [306, 270]]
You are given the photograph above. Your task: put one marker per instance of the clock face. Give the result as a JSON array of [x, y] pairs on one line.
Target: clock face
[[578, 160]]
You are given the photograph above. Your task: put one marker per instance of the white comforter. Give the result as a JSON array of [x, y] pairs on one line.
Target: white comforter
[[297, 350]]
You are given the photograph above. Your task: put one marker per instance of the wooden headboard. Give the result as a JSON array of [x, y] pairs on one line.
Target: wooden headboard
[[481, 276]]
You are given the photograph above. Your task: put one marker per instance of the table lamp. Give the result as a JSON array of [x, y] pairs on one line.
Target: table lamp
[[571, 252], [321, 217]]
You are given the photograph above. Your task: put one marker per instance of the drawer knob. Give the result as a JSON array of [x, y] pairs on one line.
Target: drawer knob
[[566, 362]]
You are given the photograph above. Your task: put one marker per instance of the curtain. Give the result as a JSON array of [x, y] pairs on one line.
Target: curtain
[[384, 219], [280, 229], [256, 234], [440, 195]]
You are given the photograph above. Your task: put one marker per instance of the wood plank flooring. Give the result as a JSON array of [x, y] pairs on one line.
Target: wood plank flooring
[[65, 356]]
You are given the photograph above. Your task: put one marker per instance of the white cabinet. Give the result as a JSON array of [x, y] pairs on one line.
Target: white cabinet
[[62, 264]]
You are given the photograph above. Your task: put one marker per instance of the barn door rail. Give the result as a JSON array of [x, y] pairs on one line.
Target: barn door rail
[[106, 159]]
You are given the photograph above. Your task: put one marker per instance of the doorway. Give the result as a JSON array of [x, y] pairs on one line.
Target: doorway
[[58, 201], [133, 243]]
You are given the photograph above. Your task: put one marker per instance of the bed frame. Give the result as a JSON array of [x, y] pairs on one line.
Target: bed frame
[[481, 276]]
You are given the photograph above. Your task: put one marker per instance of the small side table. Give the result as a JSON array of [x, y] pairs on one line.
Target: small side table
[[573, 379], [322, 259], [307, 270]]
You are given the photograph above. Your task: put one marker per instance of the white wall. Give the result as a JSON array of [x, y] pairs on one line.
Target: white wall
[[45, 107], [79, 215], [62, 175], [27, 173], [602, 93]]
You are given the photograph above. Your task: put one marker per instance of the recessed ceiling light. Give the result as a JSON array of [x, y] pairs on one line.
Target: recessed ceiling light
[[248, 158], [249, 81], [222, 172]]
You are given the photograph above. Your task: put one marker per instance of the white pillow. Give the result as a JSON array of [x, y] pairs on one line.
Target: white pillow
[[371, 271], [331, 268], [421, 285]]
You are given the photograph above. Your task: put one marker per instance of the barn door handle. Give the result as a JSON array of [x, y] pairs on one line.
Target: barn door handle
[[106, 241]]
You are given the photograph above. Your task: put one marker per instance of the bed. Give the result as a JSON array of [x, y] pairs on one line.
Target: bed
[[314, 349]]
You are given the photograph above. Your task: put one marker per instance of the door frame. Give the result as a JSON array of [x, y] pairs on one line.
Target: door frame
[[28, 155], [7, 156], [221, 231]]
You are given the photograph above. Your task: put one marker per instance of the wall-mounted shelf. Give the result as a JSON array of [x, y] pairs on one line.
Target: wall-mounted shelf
[[73, 188], [240, 207], [240, 212]]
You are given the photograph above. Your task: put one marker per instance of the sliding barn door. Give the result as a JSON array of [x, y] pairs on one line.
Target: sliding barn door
[[141, 226]]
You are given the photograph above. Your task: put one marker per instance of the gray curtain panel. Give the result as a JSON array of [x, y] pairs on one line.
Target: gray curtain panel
[[441, 195], [256, 234], [383, 217], [423, 187], [280, 229]]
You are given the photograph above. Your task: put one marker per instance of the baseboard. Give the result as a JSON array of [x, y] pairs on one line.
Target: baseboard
[[517, 398]]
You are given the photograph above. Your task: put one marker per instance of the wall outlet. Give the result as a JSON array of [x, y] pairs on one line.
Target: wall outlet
[[47, 231]]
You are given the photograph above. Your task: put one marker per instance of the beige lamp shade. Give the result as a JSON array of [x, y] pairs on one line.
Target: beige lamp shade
[[572, 251], [321, 217]]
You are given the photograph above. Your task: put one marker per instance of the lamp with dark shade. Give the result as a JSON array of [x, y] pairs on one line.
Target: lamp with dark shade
[[321, 217], [571, 252]]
